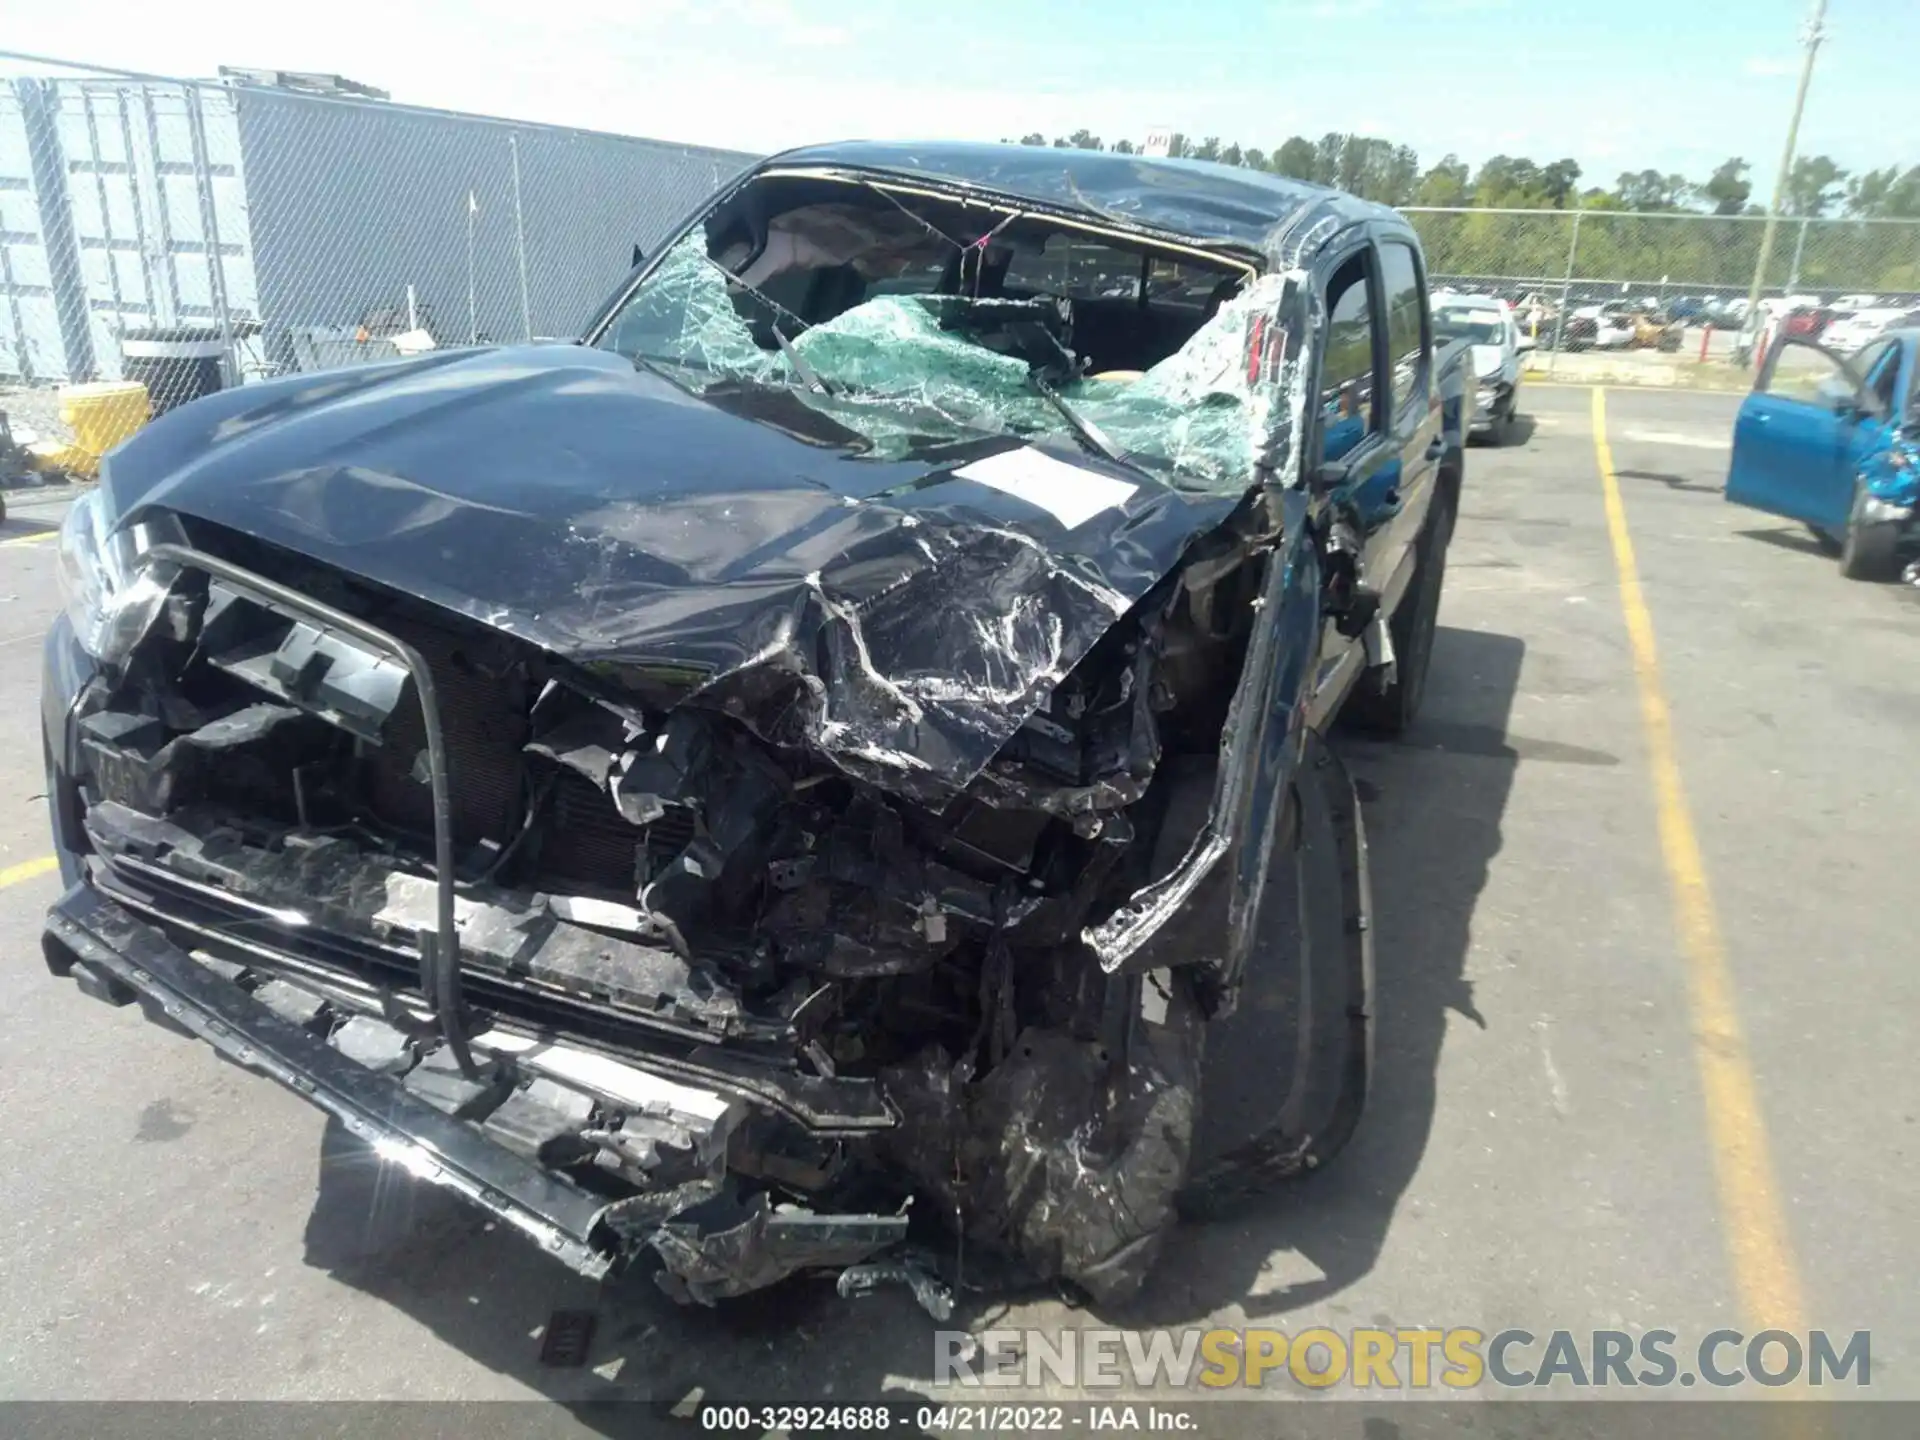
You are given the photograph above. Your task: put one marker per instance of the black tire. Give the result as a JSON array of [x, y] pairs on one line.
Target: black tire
[[1867, 549], [1392, 710], [1285, 1075], [1503, 424]]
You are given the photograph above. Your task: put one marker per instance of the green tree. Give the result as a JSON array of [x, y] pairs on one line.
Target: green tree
[[1295, 158], [1399, 175], [1207, 149], [1889, 194], [1727, 188], [1507, 182], [1254, 158], [1123, 147], [1232, 155], [1814, 186], [1444, 184], [1356, 158], [1035, 138], [1326, 158], [1557, 182], [1650, 190], [1084, 140]]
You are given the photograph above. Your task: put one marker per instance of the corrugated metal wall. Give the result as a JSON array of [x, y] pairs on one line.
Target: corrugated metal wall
[[158, 207], [127, 204], [35, 268]]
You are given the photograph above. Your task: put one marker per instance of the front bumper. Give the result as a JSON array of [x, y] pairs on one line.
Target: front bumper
[[124, 944], [1490, 401], [115, 957]]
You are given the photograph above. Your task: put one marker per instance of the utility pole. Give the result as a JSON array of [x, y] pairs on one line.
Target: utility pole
[[1811, 38]]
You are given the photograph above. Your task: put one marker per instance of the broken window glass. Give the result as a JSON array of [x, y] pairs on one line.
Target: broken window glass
[[899, 369]]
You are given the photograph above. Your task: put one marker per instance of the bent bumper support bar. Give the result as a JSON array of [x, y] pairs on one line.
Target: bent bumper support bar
[[119, 958], [440, 952]]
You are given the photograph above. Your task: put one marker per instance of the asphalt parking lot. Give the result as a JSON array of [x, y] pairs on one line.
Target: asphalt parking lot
[[1622, 1083]]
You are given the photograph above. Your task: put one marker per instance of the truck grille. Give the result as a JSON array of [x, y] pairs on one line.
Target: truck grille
[[484, 717]]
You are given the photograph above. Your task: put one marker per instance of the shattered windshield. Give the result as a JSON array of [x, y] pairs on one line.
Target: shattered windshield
[[891, 359]]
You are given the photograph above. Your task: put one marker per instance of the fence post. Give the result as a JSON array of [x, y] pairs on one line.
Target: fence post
[[520, 242], [473, 311], [210, 228], [1566, 288]]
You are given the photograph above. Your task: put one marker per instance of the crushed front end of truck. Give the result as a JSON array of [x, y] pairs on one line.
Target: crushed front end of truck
[[763, 875]]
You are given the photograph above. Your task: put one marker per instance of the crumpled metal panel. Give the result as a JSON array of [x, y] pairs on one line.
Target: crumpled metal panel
[[1892, 475], [1068, 1155], [902, 618]]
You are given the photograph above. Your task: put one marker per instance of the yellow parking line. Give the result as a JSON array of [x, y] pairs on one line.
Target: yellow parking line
[[28, 539], [1757, 1239], [27, 870]]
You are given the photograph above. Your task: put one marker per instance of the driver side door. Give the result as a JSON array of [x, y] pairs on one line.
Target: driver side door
[[1811, 418]]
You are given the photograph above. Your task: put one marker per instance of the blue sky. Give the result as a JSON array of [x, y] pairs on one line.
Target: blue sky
[[1672, 84]]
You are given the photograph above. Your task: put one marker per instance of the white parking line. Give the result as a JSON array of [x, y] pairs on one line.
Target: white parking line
[[1678, 437]]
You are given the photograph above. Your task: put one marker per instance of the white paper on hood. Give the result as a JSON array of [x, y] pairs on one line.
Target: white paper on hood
[[1069, 493]]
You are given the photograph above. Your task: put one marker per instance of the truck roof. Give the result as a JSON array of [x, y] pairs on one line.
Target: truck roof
[[1194, 200]]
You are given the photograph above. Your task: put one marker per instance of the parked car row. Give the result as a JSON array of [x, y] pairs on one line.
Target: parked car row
[[1648, 323]]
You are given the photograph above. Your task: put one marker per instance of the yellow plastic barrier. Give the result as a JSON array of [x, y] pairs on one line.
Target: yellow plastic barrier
[[101, 416]]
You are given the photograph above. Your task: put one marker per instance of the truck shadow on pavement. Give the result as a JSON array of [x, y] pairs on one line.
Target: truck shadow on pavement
[[1433, 809]]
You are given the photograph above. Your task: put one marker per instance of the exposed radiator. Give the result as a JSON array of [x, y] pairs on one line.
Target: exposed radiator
[[586, 840], [483, 717]]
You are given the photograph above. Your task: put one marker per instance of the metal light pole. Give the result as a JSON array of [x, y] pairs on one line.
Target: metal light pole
[[1812, 37]]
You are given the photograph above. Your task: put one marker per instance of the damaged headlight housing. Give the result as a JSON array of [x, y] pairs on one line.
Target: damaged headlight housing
[[110, 588]]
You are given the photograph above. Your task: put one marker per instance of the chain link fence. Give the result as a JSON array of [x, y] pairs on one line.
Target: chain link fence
[[161, 237], [1690, 274]]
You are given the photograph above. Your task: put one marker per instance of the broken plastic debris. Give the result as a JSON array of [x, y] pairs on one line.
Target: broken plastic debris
[[931, 1293]]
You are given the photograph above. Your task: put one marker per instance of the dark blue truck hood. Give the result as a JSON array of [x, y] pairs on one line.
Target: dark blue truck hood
[[904, 617]]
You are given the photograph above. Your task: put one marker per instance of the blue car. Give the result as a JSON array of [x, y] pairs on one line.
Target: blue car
[[1835, 443]]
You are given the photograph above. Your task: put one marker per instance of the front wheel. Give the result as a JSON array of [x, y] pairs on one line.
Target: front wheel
[[1503, 422], [1867, 550], [1286, 1071]]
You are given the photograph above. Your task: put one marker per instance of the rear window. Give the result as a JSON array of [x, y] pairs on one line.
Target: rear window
[[1074, 266]]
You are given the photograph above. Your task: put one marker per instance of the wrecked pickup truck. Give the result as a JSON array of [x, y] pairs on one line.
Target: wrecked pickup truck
[[791, 782]]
